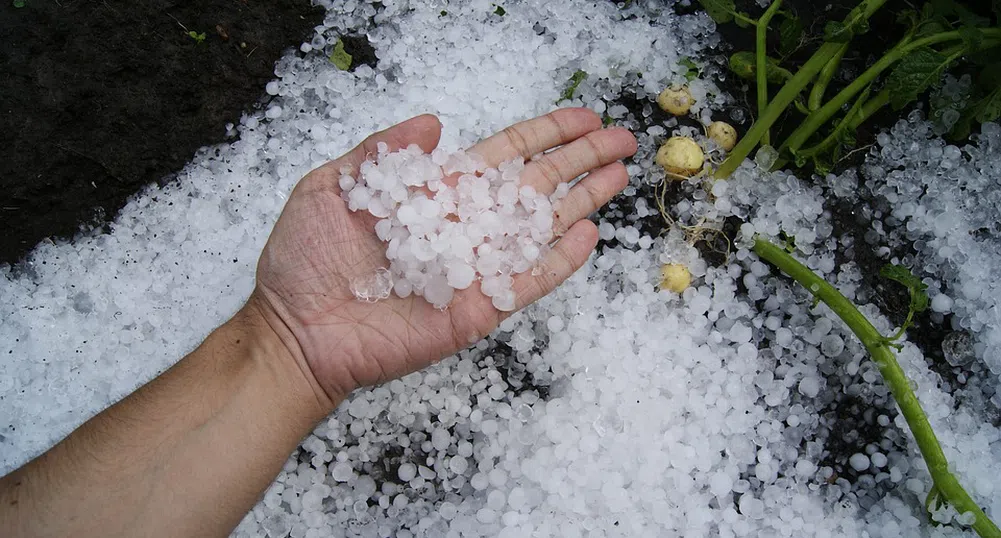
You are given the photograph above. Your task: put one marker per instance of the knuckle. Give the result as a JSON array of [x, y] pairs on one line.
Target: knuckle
[[560, 127], [517, 140], [567, 261], [549, 170], [595, 148]]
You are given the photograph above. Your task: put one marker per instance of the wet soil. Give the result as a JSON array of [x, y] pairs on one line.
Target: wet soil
[[102, 98]]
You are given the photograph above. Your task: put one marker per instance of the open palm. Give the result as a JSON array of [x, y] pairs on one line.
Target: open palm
[[318, 247]]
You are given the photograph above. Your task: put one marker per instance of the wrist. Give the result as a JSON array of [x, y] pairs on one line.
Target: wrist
[[273, 342]]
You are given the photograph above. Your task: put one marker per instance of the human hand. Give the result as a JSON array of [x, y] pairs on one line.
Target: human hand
[[318, 247]]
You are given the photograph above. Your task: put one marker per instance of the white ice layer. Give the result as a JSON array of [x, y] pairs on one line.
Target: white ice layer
[[449, 220], [944, 199]]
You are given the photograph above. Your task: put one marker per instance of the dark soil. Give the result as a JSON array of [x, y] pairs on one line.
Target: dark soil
[[103, 98]]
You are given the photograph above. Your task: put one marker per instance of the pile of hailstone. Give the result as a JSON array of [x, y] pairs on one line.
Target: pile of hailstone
[[449, 220]]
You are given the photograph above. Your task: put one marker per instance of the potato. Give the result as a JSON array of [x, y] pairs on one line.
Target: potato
[[681, 156], [675, 277], [723, 134], [676, 100]]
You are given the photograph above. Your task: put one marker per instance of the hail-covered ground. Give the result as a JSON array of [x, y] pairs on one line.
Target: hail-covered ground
[[607, 409]]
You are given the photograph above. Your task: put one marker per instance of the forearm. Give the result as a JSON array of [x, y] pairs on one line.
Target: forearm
[[186, 455]]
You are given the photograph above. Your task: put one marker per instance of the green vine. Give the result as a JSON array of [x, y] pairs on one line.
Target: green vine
[[945, 486]]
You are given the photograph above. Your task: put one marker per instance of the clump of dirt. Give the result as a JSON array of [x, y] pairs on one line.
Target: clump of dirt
[[102, 98]]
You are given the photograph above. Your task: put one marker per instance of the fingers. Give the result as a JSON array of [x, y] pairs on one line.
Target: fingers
[[568, 255], [587, 153], [424, 130], [537, 135], [592, 192]]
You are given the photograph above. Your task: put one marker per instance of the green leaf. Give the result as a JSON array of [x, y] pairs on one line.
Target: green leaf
[[574, 81], [790, 35], [916, 288], [838, 32], [823, 164], [909, 18], [744, 65], [989, 108], [500, 11], [932, 26], [972, 36], [835, 32], [693, 70], [954, 10], [744, 20], [720, 11], [18, 3], [340, 58], [934, 502], [914, 74]]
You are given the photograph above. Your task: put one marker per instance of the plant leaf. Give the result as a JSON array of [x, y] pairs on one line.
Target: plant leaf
[[720, 11], [744, 65], [953, 9], [340, 58], [742, 21], [989, 108], [932, 26], [572, 85], [500, 11], [914, 74], [790, 35], [972, 36], [934, 501], [908, 17], [843, 32], [693, 70], [916, 288]]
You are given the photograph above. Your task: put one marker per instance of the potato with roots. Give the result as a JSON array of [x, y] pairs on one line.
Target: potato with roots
[[676, 100], [675, 277], [723, 134], [681, 157]]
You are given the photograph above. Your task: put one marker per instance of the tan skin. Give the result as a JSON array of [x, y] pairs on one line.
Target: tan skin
[[191, 452]]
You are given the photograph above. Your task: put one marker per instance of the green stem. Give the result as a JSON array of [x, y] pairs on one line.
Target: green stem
[[824, 79], [832, 138], [789, 92], [820, 117], [871, 106], [744, 19], [894, 377], [761, 56]]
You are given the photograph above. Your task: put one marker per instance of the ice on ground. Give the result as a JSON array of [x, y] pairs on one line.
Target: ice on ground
[[944, 200]]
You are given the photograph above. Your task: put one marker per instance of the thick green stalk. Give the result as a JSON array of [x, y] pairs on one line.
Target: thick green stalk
[[820, 117], [894, 377], [847, 123], [824, 79], [789, 92], [775, 109], [761, 57], [871, 106]]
